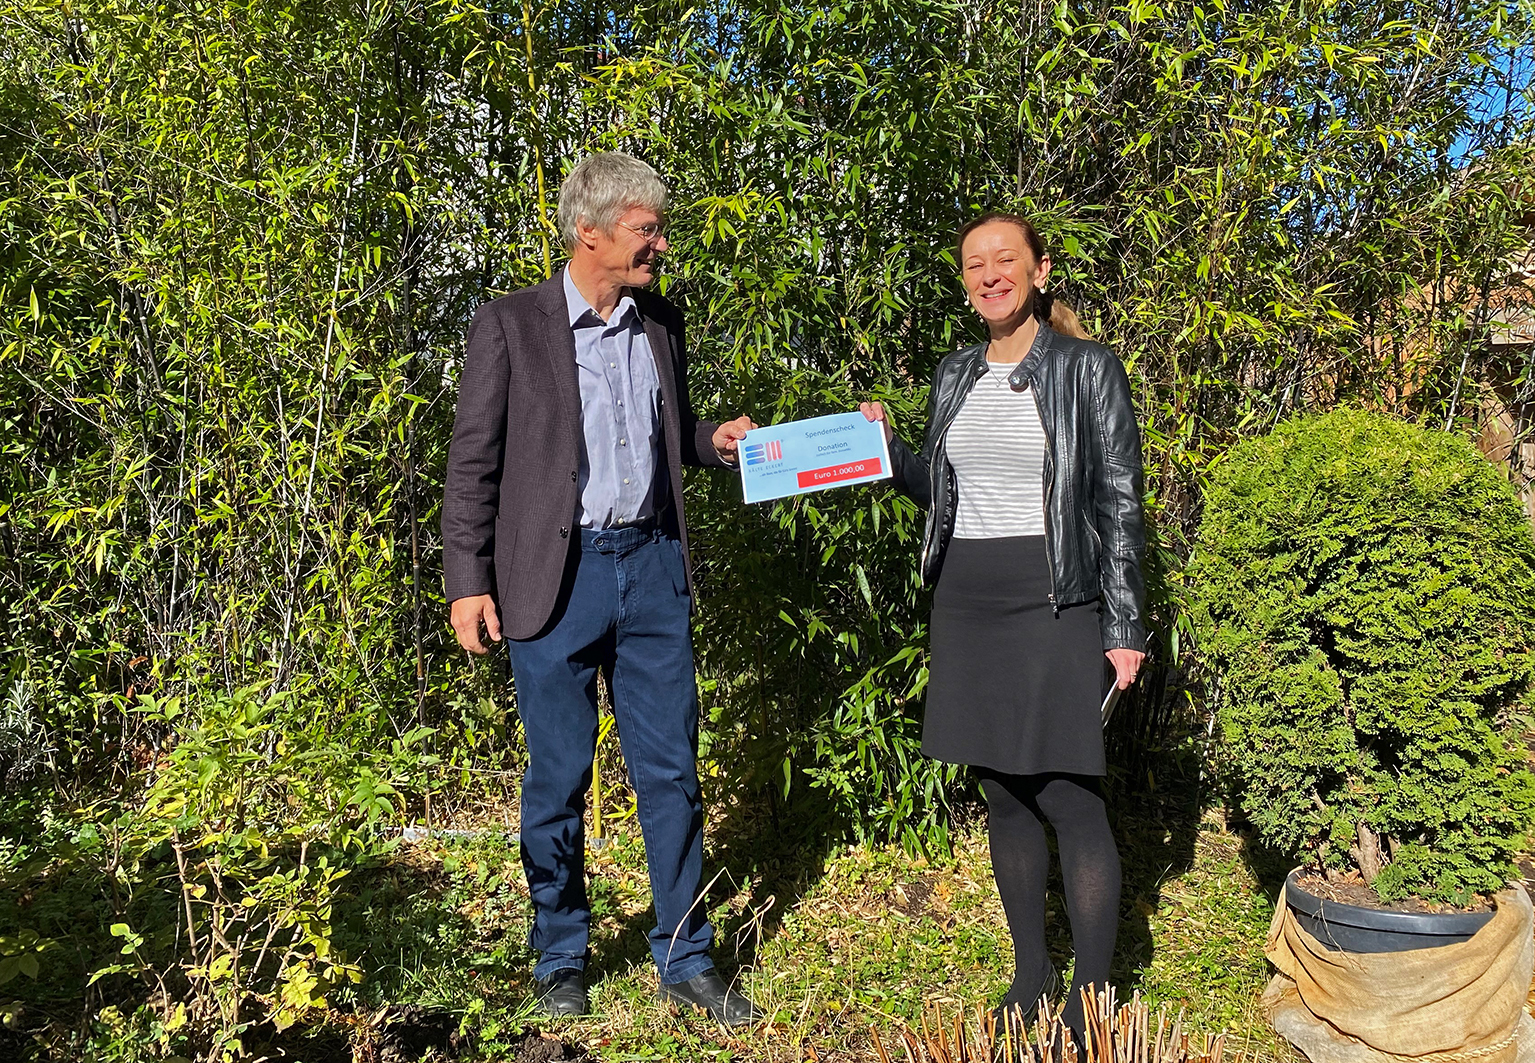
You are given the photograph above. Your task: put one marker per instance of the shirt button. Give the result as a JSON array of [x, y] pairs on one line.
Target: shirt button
[[623, 442], [612, 365], [626, 479], [620, 402]]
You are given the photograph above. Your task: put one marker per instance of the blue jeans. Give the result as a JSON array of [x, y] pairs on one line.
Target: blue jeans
[[628, 610]]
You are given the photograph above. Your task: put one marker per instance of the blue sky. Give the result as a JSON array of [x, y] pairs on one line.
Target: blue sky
[[1507, 94]]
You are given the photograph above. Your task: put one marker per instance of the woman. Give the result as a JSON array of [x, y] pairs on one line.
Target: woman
[[1031, 474]]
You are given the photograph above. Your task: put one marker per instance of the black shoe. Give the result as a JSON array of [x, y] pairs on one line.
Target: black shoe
[[562, 993], [709, 992], [1022, 1012]]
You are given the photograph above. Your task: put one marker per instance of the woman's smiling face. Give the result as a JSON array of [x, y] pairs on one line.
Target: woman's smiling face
[[1000, 273]]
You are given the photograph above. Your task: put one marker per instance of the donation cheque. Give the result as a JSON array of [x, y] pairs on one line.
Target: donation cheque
[[797, 457]]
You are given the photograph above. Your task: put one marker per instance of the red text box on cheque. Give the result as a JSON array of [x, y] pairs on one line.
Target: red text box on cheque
[[833, 473]]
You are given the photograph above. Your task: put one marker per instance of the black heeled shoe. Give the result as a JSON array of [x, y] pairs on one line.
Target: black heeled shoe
[[1022, 1012]]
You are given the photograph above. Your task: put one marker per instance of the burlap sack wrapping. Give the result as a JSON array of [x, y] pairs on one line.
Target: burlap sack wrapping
[[1455, 1002]]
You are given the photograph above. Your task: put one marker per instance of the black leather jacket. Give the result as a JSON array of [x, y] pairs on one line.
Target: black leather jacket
[[1095, 534]]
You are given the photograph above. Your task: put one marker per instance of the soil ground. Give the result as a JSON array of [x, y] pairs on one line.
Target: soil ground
[[1351, 889]]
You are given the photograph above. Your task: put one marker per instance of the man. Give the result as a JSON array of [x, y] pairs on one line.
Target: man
[[563, 531]]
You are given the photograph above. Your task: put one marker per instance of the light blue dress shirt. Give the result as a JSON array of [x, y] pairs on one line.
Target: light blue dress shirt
[[620, 414]]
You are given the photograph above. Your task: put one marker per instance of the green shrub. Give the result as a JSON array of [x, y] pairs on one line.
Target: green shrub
[[1364, 594]]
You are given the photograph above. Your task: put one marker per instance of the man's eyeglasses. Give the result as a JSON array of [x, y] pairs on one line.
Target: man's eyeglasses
[[651, 231]]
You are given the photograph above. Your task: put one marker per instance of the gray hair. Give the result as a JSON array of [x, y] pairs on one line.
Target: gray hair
[[602, 187]]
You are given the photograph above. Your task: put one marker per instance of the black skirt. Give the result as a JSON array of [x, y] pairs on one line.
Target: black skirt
[[1012, 685]]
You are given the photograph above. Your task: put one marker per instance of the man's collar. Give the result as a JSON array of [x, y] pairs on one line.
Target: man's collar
[[577, 307]]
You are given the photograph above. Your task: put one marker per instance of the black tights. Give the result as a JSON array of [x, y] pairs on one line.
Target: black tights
[[1019, 805]]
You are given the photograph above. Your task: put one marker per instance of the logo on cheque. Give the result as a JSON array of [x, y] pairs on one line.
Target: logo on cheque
[[757, 453]]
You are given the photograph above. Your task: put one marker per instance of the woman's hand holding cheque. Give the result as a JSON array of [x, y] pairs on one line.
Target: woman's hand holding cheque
[[875, 411]]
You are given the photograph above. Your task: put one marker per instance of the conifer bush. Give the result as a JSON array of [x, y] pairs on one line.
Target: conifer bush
[[1364, 594]]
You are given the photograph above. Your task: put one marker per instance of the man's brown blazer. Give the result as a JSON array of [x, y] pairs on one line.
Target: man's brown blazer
[[509, 512]]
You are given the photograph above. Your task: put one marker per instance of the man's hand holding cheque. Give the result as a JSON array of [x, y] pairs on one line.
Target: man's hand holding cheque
[[728, 436]]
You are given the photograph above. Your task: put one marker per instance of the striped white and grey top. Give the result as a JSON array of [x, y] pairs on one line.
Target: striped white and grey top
[[996, 445]]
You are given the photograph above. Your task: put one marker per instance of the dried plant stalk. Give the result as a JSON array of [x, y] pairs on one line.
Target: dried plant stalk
[[1115, 1033]]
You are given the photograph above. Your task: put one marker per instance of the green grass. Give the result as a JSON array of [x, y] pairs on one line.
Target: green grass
[[830, 941]]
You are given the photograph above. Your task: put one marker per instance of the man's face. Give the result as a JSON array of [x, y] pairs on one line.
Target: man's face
[[629, 254]]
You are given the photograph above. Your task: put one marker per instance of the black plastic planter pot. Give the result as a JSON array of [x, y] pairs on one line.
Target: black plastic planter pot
[[1349, 928]]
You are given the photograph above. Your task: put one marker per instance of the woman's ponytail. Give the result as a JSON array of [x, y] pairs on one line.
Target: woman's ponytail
[[1062, 318]]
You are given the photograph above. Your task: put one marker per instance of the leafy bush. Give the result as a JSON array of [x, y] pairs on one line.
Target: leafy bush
[[1365, 599], [227, 863]]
